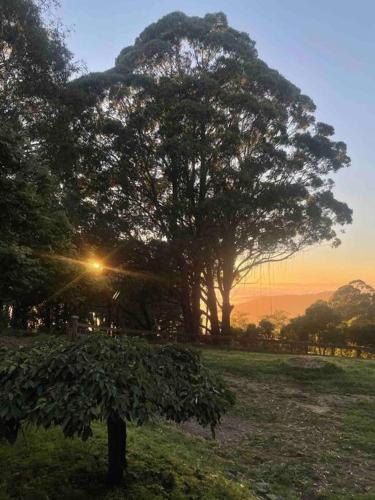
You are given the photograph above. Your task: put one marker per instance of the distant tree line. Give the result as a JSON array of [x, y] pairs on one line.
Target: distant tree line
[[346, 319], [183, 167]]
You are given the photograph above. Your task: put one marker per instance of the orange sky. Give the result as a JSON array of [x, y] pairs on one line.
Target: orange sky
[[317, 269], [324, 268]]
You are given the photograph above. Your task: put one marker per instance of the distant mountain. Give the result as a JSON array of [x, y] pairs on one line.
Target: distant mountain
[[292, 305]]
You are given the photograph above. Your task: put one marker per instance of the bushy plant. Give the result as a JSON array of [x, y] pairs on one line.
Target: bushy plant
[[102, 378]]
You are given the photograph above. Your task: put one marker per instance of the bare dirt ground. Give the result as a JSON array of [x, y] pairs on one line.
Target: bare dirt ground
[[232, 429], [284, 430]]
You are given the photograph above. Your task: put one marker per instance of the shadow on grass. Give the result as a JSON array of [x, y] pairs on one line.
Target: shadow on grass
[[163, 463]]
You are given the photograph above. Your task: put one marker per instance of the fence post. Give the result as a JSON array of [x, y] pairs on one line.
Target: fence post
[[74, 328]]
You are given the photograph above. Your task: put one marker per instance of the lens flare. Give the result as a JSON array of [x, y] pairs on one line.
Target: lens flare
[[95, 265]]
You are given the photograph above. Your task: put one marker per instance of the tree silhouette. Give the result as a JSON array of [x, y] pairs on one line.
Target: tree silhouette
[[34, 66], [216, 153]]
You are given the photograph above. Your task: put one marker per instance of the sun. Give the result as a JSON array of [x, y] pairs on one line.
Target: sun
[[95, 266]]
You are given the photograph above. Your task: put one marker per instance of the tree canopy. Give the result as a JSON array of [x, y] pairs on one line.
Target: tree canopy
[[34, 66], [355, 301], [189, 147], [216, 153]]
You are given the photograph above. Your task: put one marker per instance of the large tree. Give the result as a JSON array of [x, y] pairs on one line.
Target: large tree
[[215, 153], [34, 67]]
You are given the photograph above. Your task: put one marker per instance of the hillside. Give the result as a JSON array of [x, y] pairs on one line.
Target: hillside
[[293, 305]]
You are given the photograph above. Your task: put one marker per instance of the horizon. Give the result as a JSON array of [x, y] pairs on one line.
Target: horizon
[[244, 294], [251, 308]]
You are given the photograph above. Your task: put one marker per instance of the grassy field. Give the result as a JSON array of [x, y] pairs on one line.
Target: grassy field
[[295, 433]]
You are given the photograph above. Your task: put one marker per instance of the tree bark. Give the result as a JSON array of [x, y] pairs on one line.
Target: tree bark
[[212, 302], [19, 317], [226, 313], [196, 301], [191, 299], [47, 317], [186, 310], [116, 428], [109, 313], [227, 283], [146, 316]]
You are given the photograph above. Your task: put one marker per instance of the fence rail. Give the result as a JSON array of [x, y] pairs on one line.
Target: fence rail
[[244, 342], [288, 347]]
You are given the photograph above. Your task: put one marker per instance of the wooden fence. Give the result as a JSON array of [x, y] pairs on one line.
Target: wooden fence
[[240, 342], [255, 344]]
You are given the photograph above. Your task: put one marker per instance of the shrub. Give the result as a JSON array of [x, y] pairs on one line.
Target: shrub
[[102, 378]]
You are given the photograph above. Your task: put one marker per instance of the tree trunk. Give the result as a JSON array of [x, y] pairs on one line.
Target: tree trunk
[[109, 313], [227, 283], [116, 428], [226, 313], [47, 317], [196, 301], [146, 316], [212, 302], [3, 316], [19, 317], [186, 310], [191, 299]]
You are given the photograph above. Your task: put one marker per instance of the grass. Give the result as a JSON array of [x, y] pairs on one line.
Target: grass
[[340, 376], [294, 433], [163, 463]]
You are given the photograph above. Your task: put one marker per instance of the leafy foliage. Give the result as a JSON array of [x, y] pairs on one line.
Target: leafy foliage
[[214, 152], [348, 317], [190, 147], [319, 324], [72, 385], [355, 301], [34, 65]]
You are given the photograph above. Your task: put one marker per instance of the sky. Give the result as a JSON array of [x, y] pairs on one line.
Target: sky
[[325, 47]]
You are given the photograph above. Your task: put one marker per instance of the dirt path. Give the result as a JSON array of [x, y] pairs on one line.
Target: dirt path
[[280, 429]]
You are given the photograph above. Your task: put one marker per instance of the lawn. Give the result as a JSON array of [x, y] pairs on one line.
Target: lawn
[[295, 432]]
